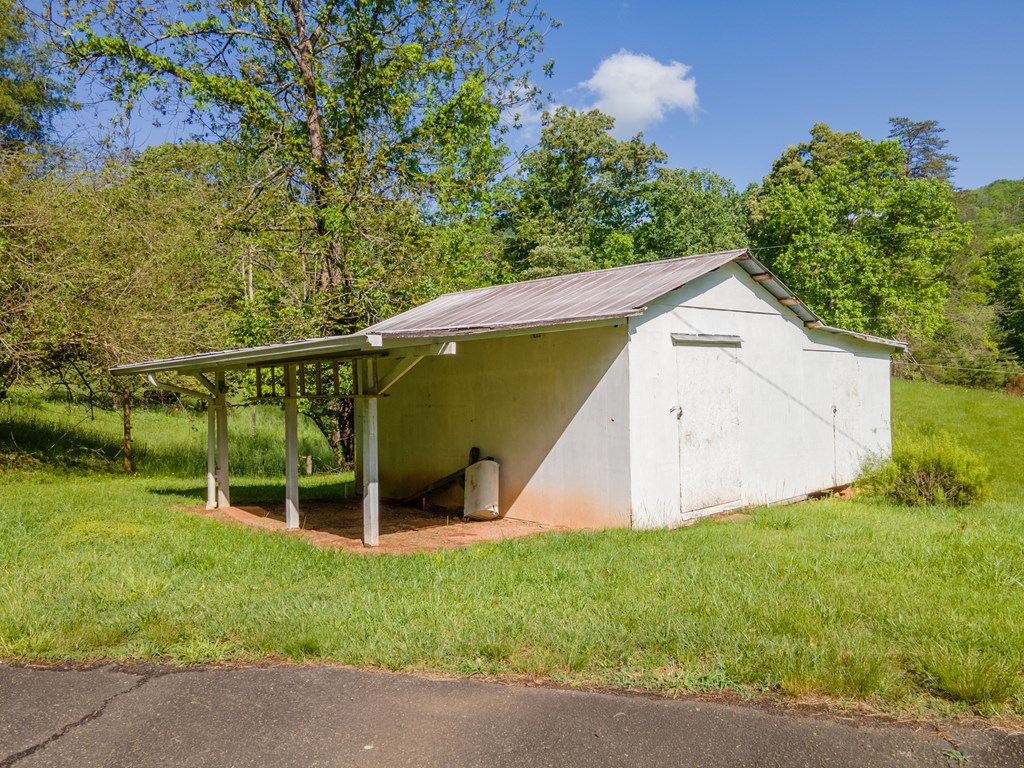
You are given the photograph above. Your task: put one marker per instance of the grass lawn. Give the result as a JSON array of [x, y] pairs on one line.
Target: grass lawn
[[908, 609]]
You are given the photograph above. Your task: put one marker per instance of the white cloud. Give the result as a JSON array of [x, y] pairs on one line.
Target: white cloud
[[638, 90]]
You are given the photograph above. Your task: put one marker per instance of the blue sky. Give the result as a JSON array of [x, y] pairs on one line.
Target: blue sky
[[763, 73], [729, 85]]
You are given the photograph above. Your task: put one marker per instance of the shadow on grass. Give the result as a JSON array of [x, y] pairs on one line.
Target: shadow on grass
[[271, 490], [33, 443], [37, 437]]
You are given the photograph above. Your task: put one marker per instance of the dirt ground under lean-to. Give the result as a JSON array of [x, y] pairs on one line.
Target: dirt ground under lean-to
[[338, 524]]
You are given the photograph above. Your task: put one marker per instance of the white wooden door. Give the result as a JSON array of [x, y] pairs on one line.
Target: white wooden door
[[707, 413]]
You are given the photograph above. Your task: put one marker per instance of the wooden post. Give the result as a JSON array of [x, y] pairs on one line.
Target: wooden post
[[291, 450], [211, 453], [223, 482], [371, 492], [126, 420]]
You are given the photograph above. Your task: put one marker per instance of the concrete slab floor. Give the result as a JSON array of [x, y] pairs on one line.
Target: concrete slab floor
[[338, 524]]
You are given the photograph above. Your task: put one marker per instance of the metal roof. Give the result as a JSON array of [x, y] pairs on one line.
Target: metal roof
[[328, 347], [580, 298], [618, 292]]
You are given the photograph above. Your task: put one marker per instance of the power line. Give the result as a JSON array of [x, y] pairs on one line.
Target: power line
[[890, 233], [1003, 371], [998, 311], [902, 232]]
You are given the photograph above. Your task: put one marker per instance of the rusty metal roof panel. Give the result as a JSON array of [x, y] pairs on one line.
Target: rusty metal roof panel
[[581, 297]]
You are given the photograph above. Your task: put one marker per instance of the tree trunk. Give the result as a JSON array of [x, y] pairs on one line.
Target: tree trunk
[[336, 421], [126, 416], [346, 430], [333, 437], [8, 375]]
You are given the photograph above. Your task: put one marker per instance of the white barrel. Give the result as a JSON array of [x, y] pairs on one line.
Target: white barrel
[[481, 500]]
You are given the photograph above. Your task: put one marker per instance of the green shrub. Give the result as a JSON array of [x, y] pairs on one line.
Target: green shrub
[[931, 468]]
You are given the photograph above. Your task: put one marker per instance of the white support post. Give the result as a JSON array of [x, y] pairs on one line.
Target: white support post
[[291, 449], [371, 493], [223, 482], [360, 415], [371, 498], [211, 453]]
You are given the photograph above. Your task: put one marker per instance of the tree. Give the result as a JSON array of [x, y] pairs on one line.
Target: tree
[[368, 109], [19, 320], [579, 196], [995, 210], [102, 267], [864, 245], [138, 258], [357, 101], [922, 145], [969, 346], [28, 96], [694, 211], [1005, 257]]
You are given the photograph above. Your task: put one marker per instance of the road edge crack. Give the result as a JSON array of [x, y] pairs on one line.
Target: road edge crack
[[10, 760]]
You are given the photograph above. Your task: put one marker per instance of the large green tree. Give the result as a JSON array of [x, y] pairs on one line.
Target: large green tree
[[28, 95], [862, 243], [1005, 258], [578, 197], [373, 112], [695, 211], [360, 103], [922, 144], [131, 260]]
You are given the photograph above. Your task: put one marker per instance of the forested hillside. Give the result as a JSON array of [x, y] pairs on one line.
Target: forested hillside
[[996, 214], [993, 211]]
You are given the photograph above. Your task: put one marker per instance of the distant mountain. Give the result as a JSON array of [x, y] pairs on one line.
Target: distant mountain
[[994, 210]]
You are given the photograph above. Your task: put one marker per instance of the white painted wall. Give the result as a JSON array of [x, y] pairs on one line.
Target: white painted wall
[[552, 409], [584, 425], [787, 379]]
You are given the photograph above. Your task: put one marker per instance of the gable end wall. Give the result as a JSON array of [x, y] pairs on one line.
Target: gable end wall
[[788, 441]]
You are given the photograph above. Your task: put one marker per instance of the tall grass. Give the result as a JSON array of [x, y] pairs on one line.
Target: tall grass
[[41, 433], [905, 608], [988, 423]]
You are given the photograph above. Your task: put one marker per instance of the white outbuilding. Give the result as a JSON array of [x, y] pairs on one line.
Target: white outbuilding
[[638, 396]]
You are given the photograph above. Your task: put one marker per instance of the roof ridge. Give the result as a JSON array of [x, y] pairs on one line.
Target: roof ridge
[[603, 270]]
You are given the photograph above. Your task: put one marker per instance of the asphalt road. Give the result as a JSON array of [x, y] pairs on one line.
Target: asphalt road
[[322, 716]]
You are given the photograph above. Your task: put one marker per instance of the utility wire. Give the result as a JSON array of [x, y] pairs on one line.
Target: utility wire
[[928, 230], [1000, 312], [890, 233], [957, 367]]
